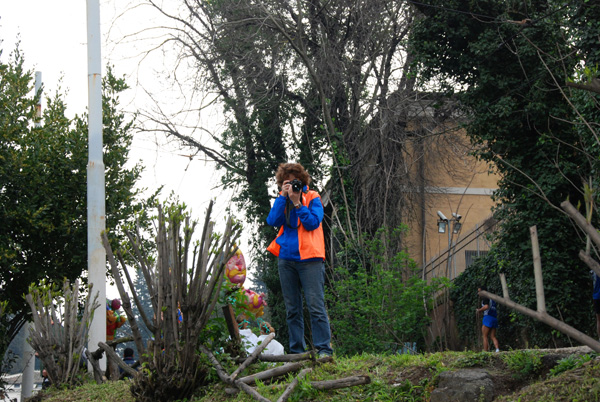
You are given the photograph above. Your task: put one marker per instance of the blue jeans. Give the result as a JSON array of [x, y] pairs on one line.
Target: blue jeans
[[296, 276]]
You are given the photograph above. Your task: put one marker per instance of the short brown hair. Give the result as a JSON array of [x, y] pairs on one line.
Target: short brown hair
[[286, 169]]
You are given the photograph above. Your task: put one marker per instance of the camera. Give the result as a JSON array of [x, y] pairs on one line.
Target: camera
[[296, 185]]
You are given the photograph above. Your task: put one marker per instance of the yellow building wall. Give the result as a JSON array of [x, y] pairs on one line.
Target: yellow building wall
[[454, 182]]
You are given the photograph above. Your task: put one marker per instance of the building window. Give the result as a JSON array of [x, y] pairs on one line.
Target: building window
[[472, 255]]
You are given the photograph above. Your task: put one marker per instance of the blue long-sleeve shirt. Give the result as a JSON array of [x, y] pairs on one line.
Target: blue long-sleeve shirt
[[310, 218]]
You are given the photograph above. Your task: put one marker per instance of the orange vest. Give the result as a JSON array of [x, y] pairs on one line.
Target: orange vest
[[311, 243]]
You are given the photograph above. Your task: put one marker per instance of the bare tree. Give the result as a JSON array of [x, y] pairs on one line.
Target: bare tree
[[184, 280], [324, 83], [60, 331]]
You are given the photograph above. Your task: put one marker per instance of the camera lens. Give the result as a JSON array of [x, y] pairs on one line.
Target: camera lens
[[296, 185]]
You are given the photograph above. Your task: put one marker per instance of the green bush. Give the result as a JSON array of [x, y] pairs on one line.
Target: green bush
[[380, 304]]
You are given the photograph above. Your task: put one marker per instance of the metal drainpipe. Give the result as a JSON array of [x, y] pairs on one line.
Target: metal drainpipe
[[28, 355]]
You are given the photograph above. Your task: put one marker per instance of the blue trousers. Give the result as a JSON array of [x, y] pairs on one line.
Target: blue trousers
[[296, 276]]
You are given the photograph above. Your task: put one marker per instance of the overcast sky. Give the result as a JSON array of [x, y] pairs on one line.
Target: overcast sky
[[53, 38]]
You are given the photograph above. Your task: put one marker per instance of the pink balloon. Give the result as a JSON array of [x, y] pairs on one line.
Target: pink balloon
[[255, 301], [235, 269]]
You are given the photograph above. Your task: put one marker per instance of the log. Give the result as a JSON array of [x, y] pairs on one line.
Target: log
[[232, 326], [325, 385], [281, 358], [593, 86], [253, 356], [290, 388], [113, 356], [590, 262], [112, 370], [95, 367], [537, 270], [341, 383], [117, 341], [278, 371], [243, 383], [546, 319], [588, 228], [271, 373], [228, 380], [220, 371], [97, 354], [250, 391], [504, 286], [134, 366]]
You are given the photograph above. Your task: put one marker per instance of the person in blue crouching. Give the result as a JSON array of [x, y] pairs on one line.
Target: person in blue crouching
[[300, 248], [128, 358], [490, 321]]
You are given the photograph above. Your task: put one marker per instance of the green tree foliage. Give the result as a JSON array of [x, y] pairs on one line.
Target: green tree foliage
[[505, 63], [43, 185]]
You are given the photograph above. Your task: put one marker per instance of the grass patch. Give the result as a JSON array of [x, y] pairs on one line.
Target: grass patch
[[578, 385], [396, 378], [116, 391]]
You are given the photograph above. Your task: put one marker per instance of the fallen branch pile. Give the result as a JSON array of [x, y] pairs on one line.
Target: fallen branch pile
[[295, 363]]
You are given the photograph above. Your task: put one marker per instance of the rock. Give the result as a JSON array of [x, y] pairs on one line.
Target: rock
[[468, 385]]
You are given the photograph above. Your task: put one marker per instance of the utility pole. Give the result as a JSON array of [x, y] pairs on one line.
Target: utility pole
[[95, 180], [451, 226], [28, 354]]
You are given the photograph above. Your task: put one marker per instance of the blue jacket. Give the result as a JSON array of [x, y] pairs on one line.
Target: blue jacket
[[303, 238]]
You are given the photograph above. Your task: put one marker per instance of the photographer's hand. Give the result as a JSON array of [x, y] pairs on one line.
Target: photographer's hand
[[286, 191], [294, 197], [286, 188]]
